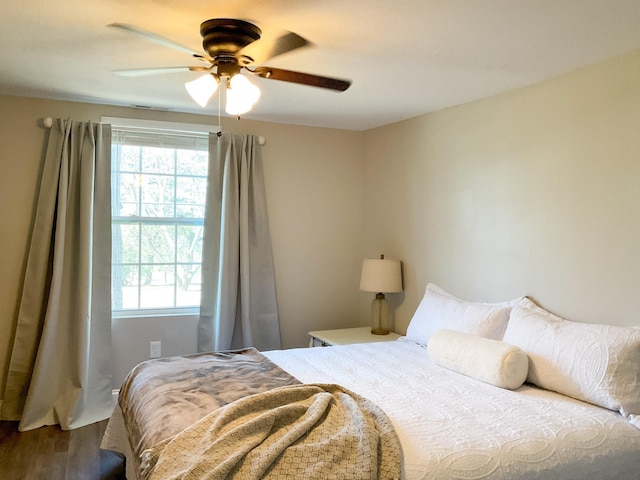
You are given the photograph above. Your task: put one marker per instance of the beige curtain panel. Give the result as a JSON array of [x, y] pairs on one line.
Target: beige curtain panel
[[238, 307], [60, 370]]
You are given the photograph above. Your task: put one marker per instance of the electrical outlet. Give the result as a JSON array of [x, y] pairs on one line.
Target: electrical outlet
[[155, 349]]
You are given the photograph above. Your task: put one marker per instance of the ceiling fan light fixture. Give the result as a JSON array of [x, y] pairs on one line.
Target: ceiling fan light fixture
[[242, 95], [202, 88], [236, 105], [249, 92]]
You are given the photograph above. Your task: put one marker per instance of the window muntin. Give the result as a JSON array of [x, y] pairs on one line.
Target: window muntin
[[158, 194]]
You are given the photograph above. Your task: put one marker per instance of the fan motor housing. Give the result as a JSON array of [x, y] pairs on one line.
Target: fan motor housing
[[227, 35]]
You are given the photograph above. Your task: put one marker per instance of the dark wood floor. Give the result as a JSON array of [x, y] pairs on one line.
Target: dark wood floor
[[53, 454]]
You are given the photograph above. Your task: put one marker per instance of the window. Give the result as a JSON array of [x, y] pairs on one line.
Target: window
[[158, 186]]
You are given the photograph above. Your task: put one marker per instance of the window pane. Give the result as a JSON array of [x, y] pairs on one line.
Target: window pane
[[125, 245], [157, 195], [190, 191], [158, 160], [191, 162], [158, 286], [158, 244], [125, 281], [189, 283], [188, 211], [189, 244], [128, 158], [125, 196]]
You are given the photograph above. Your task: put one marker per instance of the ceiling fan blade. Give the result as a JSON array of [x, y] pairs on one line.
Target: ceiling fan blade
[[267, 48], [141, 72], [160, 40], [301, 78]]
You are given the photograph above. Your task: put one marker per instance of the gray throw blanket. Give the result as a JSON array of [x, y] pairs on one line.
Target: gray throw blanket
[[163, 396], [293, 432]]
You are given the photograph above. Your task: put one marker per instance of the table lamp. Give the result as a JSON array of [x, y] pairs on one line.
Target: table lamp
[[380, 276]]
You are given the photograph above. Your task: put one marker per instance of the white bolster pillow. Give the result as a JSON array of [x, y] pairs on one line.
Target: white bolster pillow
[[491, 361]]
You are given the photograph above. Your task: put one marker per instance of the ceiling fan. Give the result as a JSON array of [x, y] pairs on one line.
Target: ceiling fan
[[233, 46]]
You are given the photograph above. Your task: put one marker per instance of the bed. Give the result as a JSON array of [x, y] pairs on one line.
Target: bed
[[473, 409]]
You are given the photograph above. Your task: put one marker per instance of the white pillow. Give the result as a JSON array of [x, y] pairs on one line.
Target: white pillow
[[599, 364], [490, 361], [439, 309]]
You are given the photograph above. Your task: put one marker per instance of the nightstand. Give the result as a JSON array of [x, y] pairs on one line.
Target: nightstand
[[346, 336]]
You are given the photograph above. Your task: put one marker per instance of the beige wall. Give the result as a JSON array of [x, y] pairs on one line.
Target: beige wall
[[532, 192], [314, 192]]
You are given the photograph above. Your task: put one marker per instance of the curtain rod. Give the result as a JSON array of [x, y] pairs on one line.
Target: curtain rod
[[48, 122]]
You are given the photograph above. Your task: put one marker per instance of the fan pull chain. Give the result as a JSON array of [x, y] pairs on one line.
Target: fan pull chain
[[219, 122]]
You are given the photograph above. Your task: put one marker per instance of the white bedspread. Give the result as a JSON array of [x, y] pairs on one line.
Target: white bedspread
[[455, 427]]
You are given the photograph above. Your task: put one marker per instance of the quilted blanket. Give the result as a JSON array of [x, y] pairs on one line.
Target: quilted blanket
[[311, 431]]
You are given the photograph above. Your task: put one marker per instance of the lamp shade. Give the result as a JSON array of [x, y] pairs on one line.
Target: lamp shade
[[381, 276]]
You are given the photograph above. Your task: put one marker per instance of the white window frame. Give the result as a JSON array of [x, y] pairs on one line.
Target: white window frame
[[160, 125], [169, 128]]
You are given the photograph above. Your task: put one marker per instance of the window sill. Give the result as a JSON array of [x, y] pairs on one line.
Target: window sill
[[184, 312]]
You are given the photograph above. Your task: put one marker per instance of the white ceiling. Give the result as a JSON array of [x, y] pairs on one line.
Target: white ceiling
[[405, 57]]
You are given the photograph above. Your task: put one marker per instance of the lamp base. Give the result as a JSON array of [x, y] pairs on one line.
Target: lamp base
[[380, 315], [380, 331]]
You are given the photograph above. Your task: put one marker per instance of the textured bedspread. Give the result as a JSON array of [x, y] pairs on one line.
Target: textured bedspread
[[455, 427], [162, 397], [301, 431]]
